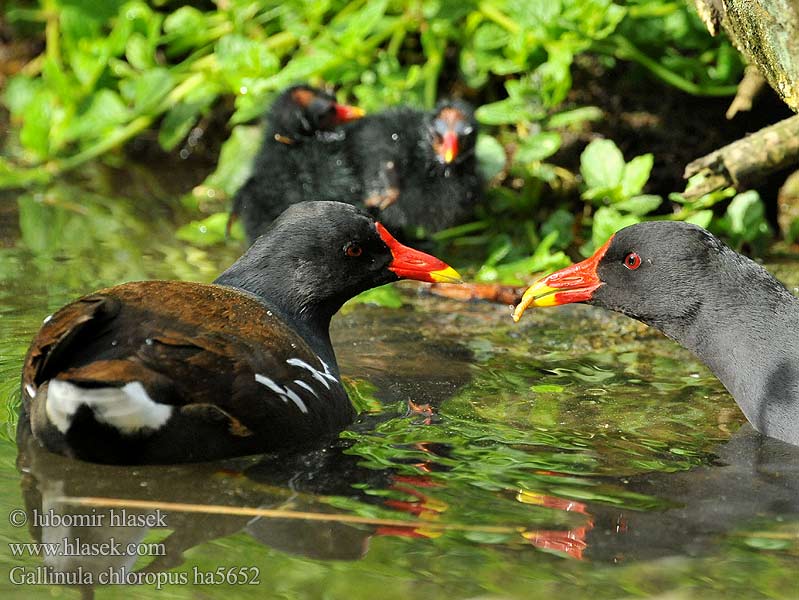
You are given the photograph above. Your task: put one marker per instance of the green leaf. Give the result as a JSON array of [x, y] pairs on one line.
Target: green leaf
[[639, 205], [205, 232], [508, 111], [602, 164], [538, 147], [386, 296], [105, 112], [147, 91], [179, 119], [701, 218], [562, 222], [635, 175], [608, 221], [140, 52], [20, 91], [37, 119], [241, 61], [235, 159], [490, 156], [575, 117]]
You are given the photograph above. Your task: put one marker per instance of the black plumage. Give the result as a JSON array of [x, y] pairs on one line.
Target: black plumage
[[301, 158], [728, 310], [173, 371], [417, 169]]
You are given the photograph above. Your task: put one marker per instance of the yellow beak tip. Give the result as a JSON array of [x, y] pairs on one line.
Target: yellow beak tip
[[448, 275]]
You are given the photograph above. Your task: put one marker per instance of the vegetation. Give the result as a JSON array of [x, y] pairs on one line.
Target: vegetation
[[111, 71]]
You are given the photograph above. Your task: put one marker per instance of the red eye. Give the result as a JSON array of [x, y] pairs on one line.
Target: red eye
[[353, 250], [632, 261]]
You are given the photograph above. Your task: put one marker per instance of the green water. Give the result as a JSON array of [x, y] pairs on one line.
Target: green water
[[575, 455]]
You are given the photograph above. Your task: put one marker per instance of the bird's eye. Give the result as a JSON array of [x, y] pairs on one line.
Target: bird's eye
[[353, 250], [632, 261]]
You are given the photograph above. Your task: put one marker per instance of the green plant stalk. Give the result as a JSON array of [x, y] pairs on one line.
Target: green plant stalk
[[500, 18], [621, 48], [52, 33]]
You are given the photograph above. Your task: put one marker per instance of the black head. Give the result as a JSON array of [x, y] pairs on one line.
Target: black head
[[452, 131], [658, 272], [302, 111], [317, 255]]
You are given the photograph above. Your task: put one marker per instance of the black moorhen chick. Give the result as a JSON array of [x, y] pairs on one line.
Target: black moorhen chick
[[725, 308], [418, 168], [301, 157], [172, 371]]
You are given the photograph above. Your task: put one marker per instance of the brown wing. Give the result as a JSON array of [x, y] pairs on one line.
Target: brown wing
[[196, 347]]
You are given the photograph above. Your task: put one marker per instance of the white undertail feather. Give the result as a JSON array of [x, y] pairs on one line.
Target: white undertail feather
[[128, 408]]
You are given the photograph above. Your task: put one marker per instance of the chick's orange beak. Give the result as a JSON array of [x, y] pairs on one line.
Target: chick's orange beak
[[449, 147], [413, 264], [576, 283], [346, 113]]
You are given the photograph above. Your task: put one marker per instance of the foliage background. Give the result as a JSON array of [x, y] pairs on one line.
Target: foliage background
[[200, 75]]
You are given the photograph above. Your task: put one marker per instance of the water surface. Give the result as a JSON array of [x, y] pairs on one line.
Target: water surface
[[575, 455]]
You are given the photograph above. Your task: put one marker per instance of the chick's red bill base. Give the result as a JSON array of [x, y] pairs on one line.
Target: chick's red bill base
[[576, 283], [346, 113], [413, 264]]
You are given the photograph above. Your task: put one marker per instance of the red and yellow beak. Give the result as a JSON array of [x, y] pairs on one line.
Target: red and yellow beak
[[412, 264], [576, 283], [346, 113], [448, 150]]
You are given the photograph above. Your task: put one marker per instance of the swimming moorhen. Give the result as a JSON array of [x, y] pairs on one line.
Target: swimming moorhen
[[172, 371], [417, 168], [725, 308], [301, 157]]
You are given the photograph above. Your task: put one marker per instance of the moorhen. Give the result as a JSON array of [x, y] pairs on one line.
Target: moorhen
[[172, 371], [417, 168], [301, 157], [725, 308]]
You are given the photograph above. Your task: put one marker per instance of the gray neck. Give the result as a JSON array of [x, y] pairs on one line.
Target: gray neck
[[745, 332]]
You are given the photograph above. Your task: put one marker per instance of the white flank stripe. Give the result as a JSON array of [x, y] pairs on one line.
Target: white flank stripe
[[283, 392], [316, 373], [302, 384], [271, 385], [127, 408]]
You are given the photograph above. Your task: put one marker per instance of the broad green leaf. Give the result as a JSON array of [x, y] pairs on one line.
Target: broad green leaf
[[562, 222], [19, 92], [639, 205], [205, 232], [510, 110], [636, 174], [179, 119], [235, 159], [146, 92], [538, 147], [105, 112], [575, 116], [242, 61], [602, 164], [608, 221], [701, 218], [386, 296], [490, 156]]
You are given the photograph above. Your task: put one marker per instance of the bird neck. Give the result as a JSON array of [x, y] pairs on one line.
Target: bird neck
[[744, 332], [276, 287]]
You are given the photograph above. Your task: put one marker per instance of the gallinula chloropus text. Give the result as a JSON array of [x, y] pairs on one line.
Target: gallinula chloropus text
[[725, 308], [301, 157], [172, 371]]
